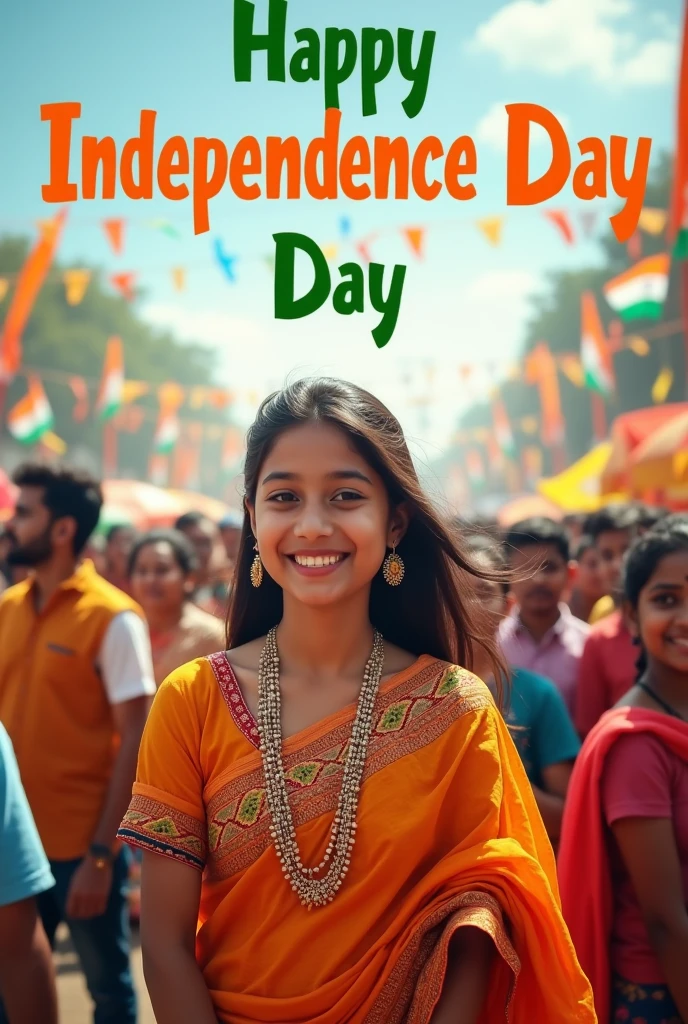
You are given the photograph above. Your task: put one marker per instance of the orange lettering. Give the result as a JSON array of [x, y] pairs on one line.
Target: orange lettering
[[596, 167], [430, 147], [246, 159], [279, 151], [59, 189], [204, 187], [94, 152], [519, 191], [174, 159], [461, 159], [625, 222], [326, 146], [387, 152], [143, 145], [355, 159]]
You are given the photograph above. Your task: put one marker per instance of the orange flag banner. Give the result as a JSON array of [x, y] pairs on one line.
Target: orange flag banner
[[76, 283], [114, 232], [416, 239], [562, 223], [29, 284], [4, 287], [541, 370], [80, 392], [125, 284], [179, 278], [492, 228]]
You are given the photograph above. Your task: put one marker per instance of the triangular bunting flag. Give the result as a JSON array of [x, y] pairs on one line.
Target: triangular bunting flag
[[179, 278], [640, 292], [634, 247], [492, 228], [638, 346], [572, 368], [598, 367], [344, 226], [125, 283], [32, 416], [114, 232], [4, 287], [363, 250], [652, 221], [415, 238], [330, 251], [76, 283], [112, 382], [80, 392], [53, 443], [225, 259], [662, 386], [133, 389], [166, 228], [562, 223]]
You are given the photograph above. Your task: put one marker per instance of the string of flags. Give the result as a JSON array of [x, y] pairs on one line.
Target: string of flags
[[76, 280]]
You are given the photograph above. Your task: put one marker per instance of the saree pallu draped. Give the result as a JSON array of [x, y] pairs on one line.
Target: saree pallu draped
[[448, 835], [584, 863]]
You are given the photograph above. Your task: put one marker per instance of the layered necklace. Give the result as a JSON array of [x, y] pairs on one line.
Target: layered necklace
[[315, 886]]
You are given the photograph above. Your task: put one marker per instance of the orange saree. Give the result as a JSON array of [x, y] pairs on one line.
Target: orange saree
[[449, 835]]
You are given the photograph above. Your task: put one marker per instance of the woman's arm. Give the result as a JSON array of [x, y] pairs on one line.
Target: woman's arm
[[648, 848], [170, 895], [471, 953]]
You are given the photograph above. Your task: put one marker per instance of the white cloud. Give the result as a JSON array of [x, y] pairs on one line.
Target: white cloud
[[492, 128], [556, 37], [207, 327]]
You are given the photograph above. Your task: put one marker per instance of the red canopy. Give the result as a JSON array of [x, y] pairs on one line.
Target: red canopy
[[628, 432]]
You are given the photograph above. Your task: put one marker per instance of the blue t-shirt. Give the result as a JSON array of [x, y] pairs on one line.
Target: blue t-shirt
[[24, 868], [539, 723]]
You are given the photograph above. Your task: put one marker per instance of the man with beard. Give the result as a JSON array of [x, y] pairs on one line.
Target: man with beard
[[76, 680], [541, 635]]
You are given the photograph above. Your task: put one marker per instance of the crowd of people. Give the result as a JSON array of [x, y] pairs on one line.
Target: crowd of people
[[520, 731]]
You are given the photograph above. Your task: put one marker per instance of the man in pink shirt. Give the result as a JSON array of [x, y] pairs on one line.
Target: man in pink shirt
[[541, 635]]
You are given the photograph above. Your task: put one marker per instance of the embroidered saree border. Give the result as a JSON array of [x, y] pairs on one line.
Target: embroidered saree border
[[152, 825], [408, 717], [233, 697], [415, 983]]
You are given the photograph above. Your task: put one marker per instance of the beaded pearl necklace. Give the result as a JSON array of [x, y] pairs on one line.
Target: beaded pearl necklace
[[312, 891]]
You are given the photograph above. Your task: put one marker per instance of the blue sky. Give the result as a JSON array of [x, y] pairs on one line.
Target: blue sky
[[603, 66]]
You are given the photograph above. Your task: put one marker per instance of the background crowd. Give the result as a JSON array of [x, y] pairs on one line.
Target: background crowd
[[89, 628]]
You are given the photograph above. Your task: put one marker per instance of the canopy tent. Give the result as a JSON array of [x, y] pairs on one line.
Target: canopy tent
[[139, 504], [628, 433], [579, 488], [190, 501], [660, 463]]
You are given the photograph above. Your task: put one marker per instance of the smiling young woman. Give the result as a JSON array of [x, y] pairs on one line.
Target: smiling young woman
[[336, 824], [625, 830]]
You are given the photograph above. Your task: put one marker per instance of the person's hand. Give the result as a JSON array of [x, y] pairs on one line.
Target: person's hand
[[89, 890]]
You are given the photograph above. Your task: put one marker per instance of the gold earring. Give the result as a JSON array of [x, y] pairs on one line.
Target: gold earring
[[256, 569], [393, 568]]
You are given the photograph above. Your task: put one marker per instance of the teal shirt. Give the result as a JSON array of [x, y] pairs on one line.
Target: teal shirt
[[539, 724], [24, 868]]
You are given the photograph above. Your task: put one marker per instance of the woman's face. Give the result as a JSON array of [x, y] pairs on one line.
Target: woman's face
[[322, 517], [661, 617], [158, 581]]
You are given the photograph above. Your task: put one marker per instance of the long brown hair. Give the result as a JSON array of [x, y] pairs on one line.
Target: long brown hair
[[429, 612]]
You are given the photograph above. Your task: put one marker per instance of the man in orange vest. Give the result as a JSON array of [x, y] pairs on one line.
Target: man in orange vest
[[76, 682]]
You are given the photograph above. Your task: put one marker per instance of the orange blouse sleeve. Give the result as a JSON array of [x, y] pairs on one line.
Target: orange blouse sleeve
[[167, 814]]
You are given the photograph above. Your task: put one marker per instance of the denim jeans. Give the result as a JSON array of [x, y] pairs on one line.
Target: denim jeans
[[101, 943]]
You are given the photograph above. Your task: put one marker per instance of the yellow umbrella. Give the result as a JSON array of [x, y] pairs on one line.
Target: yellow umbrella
[[661, 461], [577, 489]]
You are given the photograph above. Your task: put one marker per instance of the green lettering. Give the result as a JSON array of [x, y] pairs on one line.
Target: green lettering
[[286, 306], [336, 72], [349, 296], [246, 41], [419, 74], [389, 307], [372, 71], [304, 66]]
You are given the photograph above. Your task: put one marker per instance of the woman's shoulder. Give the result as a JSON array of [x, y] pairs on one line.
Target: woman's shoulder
[[192, 683], [450, 683]]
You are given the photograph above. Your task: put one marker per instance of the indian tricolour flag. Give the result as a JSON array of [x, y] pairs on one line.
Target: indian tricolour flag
[[640, 292], [166, 433], [502, 429], [475, 466], [32, 416], [112, 381], [596, 357]]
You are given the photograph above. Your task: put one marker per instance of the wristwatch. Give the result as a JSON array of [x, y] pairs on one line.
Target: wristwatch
[[101, 855]]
